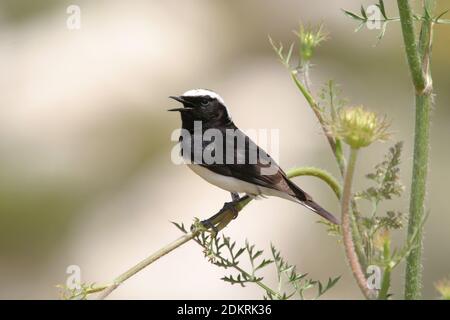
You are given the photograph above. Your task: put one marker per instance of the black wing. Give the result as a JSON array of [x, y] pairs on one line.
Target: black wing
[[236, 155]]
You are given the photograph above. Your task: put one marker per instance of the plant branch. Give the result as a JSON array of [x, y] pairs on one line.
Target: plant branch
[[347, 229], [315, 107], [146, 262], [419, 61], [409, 39], [386, 282], [318, 173]]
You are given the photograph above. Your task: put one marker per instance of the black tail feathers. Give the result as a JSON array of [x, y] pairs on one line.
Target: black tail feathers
[[308, 202]]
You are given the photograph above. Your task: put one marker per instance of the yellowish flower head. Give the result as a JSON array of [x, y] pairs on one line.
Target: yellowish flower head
[[358, 127]]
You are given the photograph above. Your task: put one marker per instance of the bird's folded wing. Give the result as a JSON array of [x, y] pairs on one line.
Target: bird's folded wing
[[261, 170]]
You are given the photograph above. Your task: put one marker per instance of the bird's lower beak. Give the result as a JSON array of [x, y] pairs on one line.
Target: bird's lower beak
[[180, 109]]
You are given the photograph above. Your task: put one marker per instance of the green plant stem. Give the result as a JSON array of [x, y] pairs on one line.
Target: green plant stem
[[357, 239], [386, 282], [418, 190], [409, 39], [318, 173], [146, 262], [315, 107], [419, 61], [349, 246]]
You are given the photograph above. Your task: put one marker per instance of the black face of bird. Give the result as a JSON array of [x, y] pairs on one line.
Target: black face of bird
[[209, 109]]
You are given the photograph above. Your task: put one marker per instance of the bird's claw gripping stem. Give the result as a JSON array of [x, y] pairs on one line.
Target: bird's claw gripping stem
[[221, 219]]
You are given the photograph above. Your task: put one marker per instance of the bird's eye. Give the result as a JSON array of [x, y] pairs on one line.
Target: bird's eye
[[204, 102]]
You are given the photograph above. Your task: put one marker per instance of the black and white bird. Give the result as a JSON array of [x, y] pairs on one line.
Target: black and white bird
[[248, 177]]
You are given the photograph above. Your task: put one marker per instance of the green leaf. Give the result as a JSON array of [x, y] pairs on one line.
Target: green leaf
[[352, 15], [363, 13], [380, 6], [180, 227], [264, 263], [257, 254], [386, 177], [240, 251], [359, 27], [441, 15], [382, 33]]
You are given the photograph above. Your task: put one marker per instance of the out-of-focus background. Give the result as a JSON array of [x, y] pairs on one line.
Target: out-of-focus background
[[85, 167]]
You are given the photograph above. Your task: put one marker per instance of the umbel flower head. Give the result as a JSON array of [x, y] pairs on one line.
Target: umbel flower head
[[358, 127], [309, 39]]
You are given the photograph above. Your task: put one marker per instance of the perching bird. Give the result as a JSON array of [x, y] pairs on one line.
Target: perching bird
[[232, 169]]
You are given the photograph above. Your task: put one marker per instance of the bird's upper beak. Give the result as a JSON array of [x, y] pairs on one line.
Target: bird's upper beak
[[179, 99], [183, 101]]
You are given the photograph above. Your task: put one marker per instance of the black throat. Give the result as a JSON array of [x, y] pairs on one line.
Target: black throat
[[189, 122]]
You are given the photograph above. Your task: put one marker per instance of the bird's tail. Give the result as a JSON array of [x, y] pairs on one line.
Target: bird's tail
[[308, 202], [311, 204]]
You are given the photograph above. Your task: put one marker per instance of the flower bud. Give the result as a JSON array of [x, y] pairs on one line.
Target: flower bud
[[309, 39], [358, 127]]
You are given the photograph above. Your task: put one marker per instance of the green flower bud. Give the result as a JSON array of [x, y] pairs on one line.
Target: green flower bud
[[358, 127], [308, 40]]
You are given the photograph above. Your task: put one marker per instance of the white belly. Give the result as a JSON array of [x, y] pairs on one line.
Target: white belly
[[235, 185]]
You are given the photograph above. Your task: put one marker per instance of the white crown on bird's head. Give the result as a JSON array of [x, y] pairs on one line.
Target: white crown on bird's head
[[202, 93]]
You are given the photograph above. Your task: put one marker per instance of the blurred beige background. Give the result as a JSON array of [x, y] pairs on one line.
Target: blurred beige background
[[86, 176]]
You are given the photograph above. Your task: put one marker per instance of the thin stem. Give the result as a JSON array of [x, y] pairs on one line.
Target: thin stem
[[357, 239], [386, 282], [419, 64], [315, 107], [347, 230], [147, 261], [318, 173], [307, 80]]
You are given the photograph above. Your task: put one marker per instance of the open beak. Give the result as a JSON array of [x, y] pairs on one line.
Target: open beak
[[183, 101]]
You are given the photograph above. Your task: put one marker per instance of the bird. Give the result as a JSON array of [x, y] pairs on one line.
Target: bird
[[204, 110]]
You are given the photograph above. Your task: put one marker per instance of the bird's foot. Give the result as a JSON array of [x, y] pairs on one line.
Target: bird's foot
[[231, 206], [221, 219], [209, 225]]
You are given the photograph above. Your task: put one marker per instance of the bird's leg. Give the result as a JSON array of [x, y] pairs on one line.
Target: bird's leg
[[235, 198], [221, 219]]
